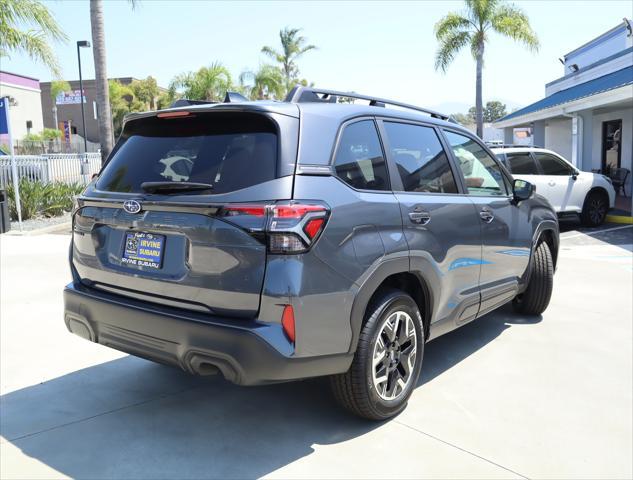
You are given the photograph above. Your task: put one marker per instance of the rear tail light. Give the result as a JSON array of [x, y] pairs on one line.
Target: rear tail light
[[289, 227]]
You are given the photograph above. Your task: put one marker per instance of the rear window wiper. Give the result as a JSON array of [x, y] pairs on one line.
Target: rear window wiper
[[174, 187]]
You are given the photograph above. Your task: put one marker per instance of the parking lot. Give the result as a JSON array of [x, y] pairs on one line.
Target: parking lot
[[503, 397]]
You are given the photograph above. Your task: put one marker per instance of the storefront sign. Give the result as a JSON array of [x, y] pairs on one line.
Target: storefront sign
[[70, 98]]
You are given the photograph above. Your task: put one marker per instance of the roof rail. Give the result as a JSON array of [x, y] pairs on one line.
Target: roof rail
[[510, 145], [229, 97], [300, 94]]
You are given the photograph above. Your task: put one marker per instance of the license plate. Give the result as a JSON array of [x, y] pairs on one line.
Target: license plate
[[143, 249]]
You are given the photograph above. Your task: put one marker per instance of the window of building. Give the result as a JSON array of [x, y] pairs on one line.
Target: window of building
[[552, 165], [521, 163], [359, 159], [421, 161], [482, 173]]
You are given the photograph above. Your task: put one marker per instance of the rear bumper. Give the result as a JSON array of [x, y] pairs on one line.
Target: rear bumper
[[244, 352]]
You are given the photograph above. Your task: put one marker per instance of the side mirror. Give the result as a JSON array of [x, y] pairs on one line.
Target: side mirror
[[522, 190]]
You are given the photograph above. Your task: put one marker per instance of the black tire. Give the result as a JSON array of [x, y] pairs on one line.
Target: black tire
[[355, 389], [536, 297], [594, 210]]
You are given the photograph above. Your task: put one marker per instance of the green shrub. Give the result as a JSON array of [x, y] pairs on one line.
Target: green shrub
[[51, 134], [38, 198], [59, 198]]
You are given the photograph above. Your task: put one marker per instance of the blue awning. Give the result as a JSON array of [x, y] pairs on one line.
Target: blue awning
[[610, 81]]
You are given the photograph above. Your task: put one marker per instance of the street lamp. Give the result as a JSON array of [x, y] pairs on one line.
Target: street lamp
[[82, 44]]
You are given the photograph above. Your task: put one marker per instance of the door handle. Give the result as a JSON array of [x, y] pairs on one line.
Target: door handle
[[486, 215], [421, 218]]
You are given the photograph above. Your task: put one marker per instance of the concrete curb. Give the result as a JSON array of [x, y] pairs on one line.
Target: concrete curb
[[627, 220], [41, 231]]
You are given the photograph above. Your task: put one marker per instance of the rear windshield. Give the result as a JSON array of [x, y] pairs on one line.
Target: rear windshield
[[231, 151]]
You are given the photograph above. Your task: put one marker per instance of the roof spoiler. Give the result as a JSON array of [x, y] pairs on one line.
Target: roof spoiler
[[230, 97], [300, 94]]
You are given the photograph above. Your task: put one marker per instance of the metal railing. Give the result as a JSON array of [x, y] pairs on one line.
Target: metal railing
[[49, 168]]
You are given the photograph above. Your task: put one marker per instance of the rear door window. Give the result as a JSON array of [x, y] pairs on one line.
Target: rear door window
[[552, 165], [420, 159], [521, 164], [359, 160], [228, 151]]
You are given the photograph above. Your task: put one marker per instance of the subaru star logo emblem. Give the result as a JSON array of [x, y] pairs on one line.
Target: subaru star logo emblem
[[131, 206]]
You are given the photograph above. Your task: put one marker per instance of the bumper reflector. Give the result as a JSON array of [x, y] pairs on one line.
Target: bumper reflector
[[288, 322]]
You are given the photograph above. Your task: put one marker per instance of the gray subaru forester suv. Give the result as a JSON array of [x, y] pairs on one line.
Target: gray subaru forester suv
[[272, 241]]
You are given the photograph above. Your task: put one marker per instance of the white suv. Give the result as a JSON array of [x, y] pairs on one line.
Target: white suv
[[569, 190]]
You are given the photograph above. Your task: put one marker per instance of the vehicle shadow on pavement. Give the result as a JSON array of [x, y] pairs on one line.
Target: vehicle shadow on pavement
[[129, 418], [450, 349]]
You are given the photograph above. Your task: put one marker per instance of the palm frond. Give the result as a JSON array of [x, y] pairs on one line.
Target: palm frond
[[449, 24], [28, 26], [481, 11], [512, 22], [450, 44]]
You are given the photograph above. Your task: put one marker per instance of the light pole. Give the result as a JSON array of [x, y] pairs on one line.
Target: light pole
[[82, 44]]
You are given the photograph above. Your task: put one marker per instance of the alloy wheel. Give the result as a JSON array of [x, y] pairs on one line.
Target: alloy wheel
[[393, 360], [597, 210]]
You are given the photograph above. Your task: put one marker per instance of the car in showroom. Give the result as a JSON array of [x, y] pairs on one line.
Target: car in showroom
[[569, 190], [304, 238]]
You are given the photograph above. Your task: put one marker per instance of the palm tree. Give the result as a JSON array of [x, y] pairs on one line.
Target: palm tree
[[39, 28], [208, 83], [267, 82], [57, 87], [292, 47], [456, 30], [101, 77]]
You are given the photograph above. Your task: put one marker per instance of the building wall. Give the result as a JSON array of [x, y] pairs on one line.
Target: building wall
[[558, 137], [611, 42], [626, 156], [26, 93]]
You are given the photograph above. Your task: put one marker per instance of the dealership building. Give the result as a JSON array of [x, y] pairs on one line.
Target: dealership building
[[25, 105], [69, 107], [587, 114]]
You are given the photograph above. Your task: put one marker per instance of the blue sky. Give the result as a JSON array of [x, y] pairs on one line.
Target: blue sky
[[380, 48]]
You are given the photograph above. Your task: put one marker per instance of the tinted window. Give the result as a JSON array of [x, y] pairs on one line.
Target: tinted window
[[229, 151], [421, 161], [521, 163], [483, 175], [359, 161], [552, 165]]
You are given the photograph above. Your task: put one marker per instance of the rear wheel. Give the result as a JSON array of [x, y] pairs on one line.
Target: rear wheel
[[536, 297], [388, 359], [594, 211]]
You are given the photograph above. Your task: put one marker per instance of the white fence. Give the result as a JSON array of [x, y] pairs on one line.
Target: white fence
[[58, 167]]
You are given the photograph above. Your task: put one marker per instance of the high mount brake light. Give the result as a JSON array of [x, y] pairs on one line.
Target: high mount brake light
[[173, 114], [290, 227]]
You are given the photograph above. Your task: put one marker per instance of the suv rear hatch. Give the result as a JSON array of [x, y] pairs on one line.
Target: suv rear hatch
[[143, 231]]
